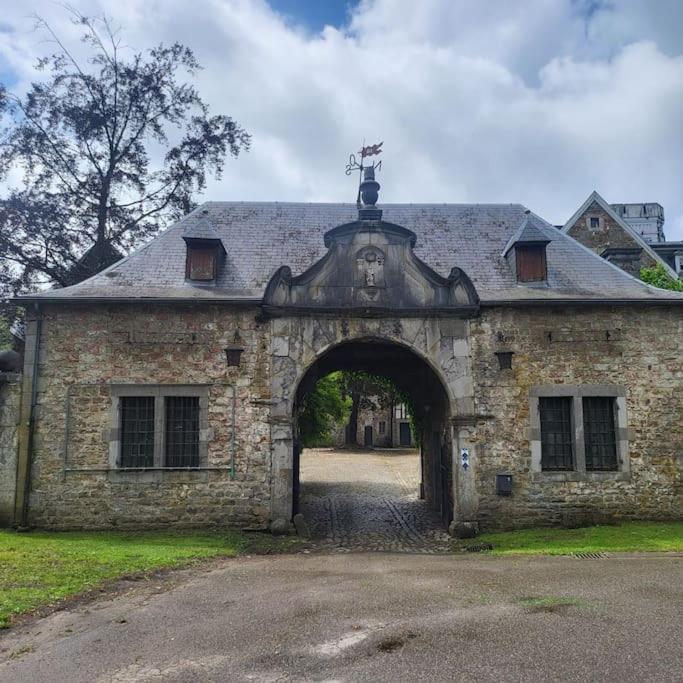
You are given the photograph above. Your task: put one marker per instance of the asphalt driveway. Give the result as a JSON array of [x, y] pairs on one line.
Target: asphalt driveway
[[370, 617]]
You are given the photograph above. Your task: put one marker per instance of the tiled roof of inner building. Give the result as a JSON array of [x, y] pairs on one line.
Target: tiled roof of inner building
[[261, 237]]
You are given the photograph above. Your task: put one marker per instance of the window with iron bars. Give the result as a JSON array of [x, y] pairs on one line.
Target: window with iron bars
[[161, 426], [599, 433], [580, 430], [137, 431], [557, 447], [182, 431]]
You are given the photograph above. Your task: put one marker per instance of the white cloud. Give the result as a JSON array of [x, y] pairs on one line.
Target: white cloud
[[528, 102]]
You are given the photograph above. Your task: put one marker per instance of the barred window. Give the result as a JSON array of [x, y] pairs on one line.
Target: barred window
[[160, 426], [382, 427], [579, 432], [599, 433], [557, 452], [137, 431], [182, 431]]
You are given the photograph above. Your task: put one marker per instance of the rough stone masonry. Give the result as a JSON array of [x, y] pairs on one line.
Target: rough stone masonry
[[434, 297]]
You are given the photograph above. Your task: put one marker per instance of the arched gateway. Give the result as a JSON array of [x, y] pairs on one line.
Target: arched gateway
[[371, 304], [413, 373]]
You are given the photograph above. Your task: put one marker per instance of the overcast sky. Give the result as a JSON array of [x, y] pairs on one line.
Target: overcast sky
[[532, 101]]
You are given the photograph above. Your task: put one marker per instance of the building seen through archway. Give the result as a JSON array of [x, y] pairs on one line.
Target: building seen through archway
[[414, 485]]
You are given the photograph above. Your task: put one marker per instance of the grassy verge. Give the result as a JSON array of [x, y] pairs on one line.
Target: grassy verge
[[627, 537], [41, 568]]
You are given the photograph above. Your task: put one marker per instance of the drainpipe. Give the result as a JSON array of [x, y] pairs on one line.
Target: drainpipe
[[233, 436], [26, 474]]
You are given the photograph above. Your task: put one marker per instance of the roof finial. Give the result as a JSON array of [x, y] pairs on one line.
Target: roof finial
[[368, 187]]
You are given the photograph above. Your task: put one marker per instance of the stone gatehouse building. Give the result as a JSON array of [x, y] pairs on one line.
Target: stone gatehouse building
[[547, 383]]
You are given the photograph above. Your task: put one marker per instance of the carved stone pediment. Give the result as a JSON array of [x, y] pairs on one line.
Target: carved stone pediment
[[371, 266]]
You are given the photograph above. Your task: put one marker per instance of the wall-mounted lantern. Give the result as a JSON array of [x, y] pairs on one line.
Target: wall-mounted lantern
[[504, 359], [233, 353]]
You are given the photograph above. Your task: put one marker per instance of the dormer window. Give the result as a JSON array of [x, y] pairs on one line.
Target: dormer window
[[204, 253], [200, 263], [531, 263], [526, 251]]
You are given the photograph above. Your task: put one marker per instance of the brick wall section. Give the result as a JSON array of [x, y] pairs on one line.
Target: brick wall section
[[84, 350], [610, 234], [10, 397], [644, 357]]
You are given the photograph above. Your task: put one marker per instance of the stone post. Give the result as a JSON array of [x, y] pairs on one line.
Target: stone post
[[282, 476], [465, 464], [10, 402]]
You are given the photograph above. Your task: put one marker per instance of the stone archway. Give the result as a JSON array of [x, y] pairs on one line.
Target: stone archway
[[433, 351]]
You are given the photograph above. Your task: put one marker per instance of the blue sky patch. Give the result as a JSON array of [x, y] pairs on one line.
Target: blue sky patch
[[314, 14]]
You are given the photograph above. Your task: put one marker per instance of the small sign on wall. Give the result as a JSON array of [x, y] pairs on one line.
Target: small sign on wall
[[465, 458]]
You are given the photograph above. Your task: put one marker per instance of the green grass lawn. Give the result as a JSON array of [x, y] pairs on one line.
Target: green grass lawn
[[40, 568], [630, 536]]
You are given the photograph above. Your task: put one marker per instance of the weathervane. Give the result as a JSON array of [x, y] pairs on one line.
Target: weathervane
[[353, 165]]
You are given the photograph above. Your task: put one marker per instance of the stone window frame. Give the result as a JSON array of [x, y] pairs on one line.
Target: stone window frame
[[400, 411], [577, 392], [600, 226], [159, 392]]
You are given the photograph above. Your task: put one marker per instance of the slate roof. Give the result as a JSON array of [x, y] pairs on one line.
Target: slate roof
[[202, 230], [261, 237], [531, 230]]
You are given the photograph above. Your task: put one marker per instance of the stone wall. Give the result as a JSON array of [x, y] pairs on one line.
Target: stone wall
[[609, 234], [372, 417], [637, 348], [84, 351], [10, 398]]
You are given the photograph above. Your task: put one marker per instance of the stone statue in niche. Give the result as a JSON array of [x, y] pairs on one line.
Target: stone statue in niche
[[369, 268], [369, 279]]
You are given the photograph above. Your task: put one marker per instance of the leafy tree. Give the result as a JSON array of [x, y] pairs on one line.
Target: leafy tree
[[84, 138], [658, 277], [338, 399], [323, 408]]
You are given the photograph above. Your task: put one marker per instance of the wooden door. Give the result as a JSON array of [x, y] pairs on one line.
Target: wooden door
[[404, 434]]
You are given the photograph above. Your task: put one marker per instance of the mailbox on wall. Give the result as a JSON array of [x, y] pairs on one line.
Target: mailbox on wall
[[504, 484]]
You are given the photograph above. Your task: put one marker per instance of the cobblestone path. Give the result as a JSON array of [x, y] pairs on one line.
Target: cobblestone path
[[368, 500]]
